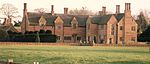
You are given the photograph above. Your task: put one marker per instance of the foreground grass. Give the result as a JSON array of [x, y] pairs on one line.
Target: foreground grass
[[75, 54]]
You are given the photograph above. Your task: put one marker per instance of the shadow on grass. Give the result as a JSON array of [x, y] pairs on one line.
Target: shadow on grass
[[2, 62], [52, 59], [121, 51], [129, 62]]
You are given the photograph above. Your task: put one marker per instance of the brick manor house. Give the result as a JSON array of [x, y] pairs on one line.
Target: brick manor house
[[105, 28]]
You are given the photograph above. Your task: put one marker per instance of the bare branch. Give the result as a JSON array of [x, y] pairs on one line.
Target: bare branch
[[8, 10], [40, 10], [82, 11]]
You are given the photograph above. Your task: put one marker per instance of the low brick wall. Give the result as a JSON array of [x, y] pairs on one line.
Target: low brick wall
[[69, 44], [37, 43]]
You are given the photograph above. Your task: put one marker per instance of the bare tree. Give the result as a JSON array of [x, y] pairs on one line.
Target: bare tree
[[40, 10], [8, 10], [142, 22], [82, 11]]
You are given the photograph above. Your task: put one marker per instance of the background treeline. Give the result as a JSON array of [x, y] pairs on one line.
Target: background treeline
[[29, 36], [145, 36]]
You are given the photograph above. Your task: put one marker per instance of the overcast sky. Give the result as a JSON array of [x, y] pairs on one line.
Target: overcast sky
[[94, 5]]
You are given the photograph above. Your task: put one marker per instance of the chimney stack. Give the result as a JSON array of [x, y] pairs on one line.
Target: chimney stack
[[65, 11], [117, 9], [25, 21], [127, 6], [103, 10], [52, 9], [25, 6]]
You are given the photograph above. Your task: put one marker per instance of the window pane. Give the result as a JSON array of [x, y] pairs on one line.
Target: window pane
[[78, 38], [121, 27], [120, 39], [74, 26], [112, 30], [67, 38], [58, 37], [133, 28]]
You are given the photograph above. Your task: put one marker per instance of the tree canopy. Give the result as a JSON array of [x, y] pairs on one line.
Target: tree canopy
[[82, 11], [8, 10], [40, 10]]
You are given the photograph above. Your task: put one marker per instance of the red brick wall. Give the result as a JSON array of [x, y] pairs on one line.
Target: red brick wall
[[111, 37]]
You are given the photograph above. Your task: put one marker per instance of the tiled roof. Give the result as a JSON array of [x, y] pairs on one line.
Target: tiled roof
[[34, 18], [66, 19], [101, 19], [119, 16], [96, 19], [81, 19], [8, 28]]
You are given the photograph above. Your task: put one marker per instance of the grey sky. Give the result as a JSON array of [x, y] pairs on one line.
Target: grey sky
[[94, 5]]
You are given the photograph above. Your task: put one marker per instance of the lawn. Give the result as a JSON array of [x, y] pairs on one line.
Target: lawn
[[75, 54]]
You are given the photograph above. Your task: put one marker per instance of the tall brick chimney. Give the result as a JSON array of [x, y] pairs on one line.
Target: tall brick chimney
[[25, 8], [127, 6], [103, 10], [65, 11], [25, 21], [52, 9], [117, 9]]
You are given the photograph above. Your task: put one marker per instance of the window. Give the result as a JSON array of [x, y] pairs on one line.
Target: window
[[58, 27], [78, 38], [74, 26], [121, 27], [58, 37], [133, 28], [102, 26], [120, 39], [67, 38], [133, 39], [112, 29]]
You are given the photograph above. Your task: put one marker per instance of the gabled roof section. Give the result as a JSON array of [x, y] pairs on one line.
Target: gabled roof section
[[8, 28], [66, 19], [119, 16], [101, 19], [34, 18], [81, 19]]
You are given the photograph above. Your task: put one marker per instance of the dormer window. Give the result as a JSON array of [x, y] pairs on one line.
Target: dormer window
[[74, 26], [74, 23]]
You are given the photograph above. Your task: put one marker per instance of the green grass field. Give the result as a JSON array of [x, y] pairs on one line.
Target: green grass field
[[75, 54]]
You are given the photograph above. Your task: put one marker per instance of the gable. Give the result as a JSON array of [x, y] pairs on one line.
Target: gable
[[42, 20], [35, 17], [74, 20], [58, 20], [120, 22], [81, 19], [112, 20], [89, 20]]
